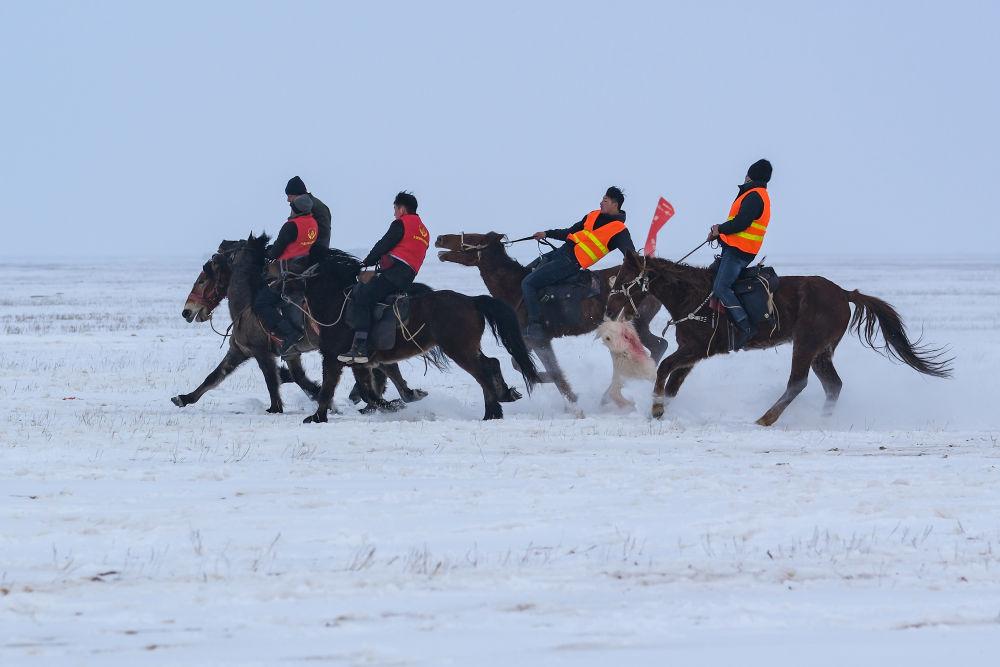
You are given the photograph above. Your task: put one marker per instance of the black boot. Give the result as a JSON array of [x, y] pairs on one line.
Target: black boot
[[290, 337], [358, 353], [746, 332]]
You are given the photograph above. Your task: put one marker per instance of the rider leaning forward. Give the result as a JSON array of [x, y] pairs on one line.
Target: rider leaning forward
[[593, 237], [741, 237]]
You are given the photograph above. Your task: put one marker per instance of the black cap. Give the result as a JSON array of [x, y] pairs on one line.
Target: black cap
[[760, 171], [295, 186]]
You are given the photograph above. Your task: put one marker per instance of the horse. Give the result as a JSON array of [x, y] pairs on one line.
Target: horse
[[221, 278], [503, 275], [442, 323], [812, 312]]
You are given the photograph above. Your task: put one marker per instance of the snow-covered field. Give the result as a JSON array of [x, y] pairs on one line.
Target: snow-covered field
[[132, 531]]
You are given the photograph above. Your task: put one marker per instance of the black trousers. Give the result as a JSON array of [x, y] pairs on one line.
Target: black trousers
[[394, 279]]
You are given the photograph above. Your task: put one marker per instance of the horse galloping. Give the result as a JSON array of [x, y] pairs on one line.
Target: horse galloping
[[222, 278], [503, 275], [441, 320], [813, 314]]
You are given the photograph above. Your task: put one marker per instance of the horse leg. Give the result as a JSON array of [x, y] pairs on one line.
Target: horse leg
[[548, 358], [408, 395], [504, 392], [270, 370], [298, 376], [681, 361], [229, 363], [647, 311], [797, 380], [822, 366], [474, 363], [331, 376]]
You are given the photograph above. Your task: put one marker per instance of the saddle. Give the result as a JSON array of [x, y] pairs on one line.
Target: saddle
[[754, 288], [562, 302], [388, 316]]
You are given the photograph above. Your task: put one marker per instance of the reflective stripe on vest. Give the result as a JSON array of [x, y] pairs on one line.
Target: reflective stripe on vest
[[592, 244], [306, 232], [413, 248], [751, 238]]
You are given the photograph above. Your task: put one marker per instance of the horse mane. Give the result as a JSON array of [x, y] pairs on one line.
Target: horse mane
[[679, 274], [337, 266]]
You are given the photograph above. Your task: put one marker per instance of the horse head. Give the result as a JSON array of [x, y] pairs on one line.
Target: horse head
[[212, 284], [630, 287], [467, 249]]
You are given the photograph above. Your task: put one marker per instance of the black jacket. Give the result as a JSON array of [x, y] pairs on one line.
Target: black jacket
[[751, 208], [388, 241], [324, 221], [621, 241]]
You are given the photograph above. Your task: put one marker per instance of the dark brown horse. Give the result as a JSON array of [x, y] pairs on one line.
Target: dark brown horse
[[503, 275], [440, 321], [220, 278], [813, 314]]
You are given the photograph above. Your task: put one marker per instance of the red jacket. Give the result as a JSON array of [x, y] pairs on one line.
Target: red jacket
[[308, 230], [413, 248]]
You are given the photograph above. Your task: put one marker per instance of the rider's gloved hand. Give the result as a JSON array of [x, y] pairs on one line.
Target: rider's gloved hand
[[538, 236]]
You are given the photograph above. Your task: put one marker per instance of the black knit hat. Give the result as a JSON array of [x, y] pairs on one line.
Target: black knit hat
[[760, 171], [295, 186]]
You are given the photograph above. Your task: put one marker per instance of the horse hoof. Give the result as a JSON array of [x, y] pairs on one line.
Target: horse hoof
[[765, 421], [314, 419], [414, 395], [178, 401], [368, 409], [275, 410], [657, 410], [394, 405]]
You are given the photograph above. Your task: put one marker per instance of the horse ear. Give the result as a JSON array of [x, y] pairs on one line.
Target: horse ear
[[494, 237], [250, 238]]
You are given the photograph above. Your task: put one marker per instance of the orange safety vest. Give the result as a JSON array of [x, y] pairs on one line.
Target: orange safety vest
[[592, 244], [306, 231], [751, 238]]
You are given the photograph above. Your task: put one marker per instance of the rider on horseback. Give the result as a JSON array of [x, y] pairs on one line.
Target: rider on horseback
[[399, 254], [597, 234], [741, 237], [320, 211], [291, 249]]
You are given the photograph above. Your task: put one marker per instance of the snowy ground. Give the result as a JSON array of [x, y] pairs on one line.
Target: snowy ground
[[131, 530]]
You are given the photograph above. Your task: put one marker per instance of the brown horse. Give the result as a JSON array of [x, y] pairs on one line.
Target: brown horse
[[440, 321], [221, 278], [503, 275], [813, 314]]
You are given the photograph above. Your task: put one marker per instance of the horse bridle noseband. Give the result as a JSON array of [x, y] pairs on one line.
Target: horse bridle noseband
[[641, 281]]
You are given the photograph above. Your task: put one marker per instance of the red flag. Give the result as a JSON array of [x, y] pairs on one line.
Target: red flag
[[664, 211]]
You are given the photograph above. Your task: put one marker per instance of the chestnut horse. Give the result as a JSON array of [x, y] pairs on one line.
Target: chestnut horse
[[503, 275], [813, 314]]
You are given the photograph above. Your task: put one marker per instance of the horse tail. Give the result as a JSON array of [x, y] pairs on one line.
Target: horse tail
[[872, 315], [506, 329]]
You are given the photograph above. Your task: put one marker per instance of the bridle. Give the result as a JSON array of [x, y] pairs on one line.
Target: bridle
[[641, 281], [209, 297]]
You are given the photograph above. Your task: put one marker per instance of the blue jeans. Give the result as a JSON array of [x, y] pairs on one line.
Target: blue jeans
[[557, 266], [729, 270]]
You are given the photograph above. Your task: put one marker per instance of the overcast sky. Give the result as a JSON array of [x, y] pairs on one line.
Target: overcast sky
[[148, 128]]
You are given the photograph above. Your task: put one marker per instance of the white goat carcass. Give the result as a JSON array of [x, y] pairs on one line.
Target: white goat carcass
[[629, 359]]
